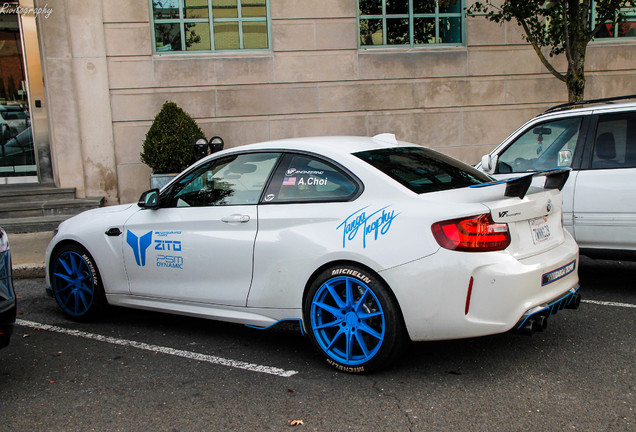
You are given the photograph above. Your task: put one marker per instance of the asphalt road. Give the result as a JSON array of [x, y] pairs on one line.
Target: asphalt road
[[142, 371]]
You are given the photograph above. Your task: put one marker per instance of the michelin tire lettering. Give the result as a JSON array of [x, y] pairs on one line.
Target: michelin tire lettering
[[91, 267], [349, 272]]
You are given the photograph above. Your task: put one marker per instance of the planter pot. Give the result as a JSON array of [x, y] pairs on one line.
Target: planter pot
[[160, 180]]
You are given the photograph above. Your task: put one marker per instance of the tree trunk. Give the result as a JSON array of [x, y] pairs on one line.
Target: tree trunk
[[575, 77], [576, 85]]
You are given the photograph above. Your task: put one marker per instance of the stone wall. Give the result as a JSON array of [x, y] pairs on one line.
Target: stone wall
[[105, 86]]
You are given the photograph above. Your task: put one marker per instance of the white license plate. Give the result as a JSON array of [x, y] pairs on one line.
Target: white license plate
[[540, 229]]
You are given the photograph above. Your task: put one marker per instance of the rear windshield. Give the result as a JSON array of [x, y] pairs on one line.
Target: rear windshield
[[423, 170]]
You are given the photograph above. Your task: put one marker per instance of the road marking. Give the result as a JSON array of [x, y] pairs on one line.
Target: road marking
[[605, 303], [164, 350]]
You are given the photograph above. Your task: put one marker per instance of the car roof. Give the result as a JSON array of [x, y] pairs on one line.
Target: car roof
[[594, 105], [327, 145]]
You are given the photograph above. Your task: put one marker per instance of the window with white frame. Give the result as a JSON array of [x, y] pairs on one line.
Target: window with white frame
[[615, 29], [209, 25], [410, 22]]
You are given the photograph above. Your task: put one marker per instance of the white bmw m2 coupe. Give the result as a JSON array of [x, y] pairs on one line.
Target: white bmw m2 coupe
[[367, 242]]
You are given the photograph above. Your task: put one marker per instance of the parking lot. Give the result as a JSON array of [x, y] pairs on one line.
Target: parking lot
[[136, 370]]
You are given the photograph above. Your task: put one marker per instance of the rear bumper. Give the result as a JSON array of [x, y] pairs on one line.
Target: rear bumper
[[439, 301], [536, 318]]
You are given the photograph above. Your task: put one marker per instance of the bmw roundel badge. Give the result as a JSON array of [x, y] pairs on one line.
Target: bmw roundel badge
[[549, 206]]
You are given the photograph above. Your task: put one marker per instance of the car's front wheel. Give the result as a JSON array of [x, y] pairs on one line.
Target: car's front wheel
[[76, 284], [354, 320]]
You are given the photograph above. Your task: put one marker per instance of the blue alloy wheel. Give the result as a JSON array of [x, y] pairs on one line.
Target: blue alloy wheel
[[75, 283], [353, 320], [347, 320]]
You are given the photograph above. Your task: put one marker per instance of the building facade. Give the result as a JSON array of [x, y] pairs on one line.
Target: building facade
[[255, 70]]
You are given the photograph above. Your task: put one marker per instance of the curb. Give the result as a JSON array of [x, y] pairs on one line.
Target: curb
[[28, 271]]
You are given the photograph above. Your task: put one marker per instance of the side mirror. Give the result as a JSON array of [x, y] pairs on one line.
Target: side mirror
[[488, 163], [149, 199]]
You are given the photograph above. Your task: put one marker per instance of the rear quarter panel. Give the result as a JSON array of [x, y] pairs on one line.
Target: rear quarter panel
[[377, 230]]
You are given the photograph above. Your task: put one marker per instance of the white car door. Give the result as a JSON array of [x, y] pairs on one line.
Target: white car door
[[198, 246], [604, 194]]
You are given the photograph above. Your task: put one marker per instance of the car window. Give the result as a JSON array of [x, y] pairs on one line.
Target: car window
[[615, 143], [423, 170], [305, 178], [14, 115], [542, 147], [232, 180]]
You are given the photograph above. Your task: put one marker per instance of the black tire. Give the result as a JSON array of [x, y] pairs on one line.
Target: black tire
[[76, 284], [353, 319]]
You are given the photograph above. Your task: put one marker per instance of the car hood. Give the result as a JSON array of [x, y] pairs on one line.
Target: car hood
[[112, 215]]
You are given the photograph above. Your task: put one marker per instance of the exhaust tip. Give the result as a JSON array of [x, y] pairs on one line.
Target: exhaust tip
[[541, 323], [528, 328], [537, 323]]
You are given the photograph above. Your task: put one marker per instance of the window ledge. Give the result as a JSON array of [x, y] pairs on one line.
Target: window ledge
[[215, 54], [429, 48]]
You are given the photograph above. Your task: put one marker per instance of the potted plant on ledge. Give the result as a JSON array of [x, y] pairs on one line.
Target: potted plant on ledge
[[168, 147]]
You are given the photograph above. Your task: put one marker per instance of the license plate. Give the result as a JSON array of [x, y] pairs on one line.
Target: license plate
[[557, 274], [540, 229]]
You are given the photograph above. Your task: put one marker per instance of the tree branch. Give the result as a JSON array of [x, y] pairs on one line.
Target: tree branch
[[566, 32], [545, 61]]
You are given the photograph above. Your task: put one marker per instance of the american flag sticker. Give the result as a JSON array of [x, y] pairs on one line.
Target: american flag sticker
[[289, 181]]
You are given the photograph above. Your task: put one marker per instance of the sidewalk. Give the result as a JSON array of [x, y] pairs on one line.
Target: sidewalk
[[27, 254]]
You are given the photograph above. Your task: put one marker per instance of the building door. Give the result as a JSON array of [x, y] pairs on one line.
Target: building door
[[17, 152], [25, 154]]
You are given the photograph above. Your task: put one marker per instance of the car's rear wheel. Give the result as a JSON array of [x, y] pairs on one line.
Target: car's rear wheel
[[76, 284], [354, 320]]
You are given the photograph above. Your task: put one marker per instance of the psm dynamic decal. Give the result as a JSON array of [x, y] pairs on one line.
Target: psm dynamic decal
[[170, 261], [166, 243]]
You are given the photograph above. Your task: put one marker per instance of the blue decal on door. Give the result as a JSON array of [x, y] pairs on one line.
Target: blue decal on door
[[139, 246], [373, 224]]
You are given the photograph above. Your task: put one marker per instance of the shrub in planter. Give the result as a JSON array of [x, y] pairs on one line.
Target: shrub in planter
[[169, 143]]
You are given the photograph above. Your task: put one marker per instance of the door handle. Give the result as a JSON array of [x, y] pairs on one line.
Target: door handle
[[113, 232], [236, 218]]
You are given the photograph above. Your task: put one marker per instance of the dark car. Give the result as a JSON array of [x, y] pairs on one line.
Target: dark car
[[15, 117], [18, 150], [7, 294]]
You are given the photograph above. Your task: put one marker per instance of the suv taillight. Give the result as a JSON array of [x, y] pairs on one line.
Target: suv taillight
[[472, 234]]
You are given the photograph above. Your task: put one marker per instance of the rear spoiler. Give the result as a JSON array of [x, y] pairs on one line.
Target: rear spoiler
[[518, 186]]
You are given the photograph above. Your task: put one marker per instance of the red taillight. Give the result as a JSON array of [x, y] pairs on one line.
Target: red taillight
[[472, 234]]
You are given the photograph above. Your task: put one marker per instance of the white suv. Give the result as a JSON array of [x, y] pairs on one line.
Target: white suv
[[597, 140]]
